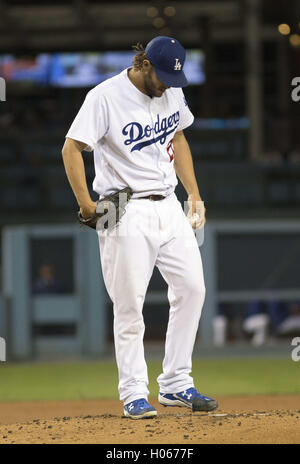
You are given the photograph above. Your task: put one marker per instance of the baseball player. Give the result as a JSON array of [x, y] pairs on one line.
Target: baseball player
[[134, 122]]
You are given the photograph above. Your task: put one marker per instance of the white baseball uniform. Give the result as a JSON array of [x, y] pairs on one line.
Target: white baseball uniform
[[131, 136]]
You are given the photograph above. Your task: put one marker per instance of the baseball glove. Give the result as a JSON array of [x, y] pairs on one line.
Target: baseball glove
[[109, 210]]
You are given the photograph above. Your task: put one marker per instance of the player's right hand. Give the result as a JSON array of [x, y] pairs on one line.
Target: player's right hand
[[88, 210]]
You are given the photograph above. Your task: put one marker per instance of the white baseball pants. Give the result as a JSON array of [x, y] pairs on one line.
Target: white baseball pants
[[153, 233]]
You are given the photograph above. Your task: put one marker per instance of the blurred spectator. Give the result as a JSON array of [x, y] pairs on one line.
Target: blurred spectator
[[226, 323], [256, 323], [46, 281], [291, 324], [275, 317], [258, 318], [261, 319]]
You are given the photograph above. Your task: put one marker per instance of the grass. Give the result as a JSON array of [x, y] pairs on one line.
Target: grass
[[92, 380]]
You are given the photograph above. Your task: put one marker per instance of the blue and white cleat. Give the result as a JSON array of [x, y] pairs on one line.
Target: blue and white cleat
[[189, 398], [139, 409]]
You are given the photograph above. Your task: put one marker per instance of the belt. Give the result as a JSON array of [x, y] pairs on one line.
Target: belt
[[152, 197]]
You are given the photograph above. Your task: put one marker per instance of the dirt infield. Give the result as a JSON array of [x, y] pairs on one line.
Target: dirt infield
[[255, 419]]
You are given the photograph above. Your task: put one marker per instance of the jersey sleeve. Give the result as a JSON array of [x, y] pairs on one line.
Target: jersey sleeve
[[91, 121], [186, 117]]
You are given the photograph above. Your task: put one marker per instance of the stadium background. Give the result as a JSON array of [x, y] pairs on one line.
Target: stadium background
[[55, 316]]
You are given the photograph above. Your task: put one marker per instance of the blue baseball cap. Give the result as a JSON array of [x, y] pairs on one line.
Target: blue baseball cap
[[167, 56]]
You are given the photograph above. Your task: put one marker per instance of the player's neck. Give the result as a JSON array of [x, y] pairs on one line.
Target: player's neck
[[136, 78]]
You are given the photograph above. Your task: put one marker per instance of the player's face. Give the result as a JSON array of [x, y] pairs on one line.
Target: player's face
[[153, 86]]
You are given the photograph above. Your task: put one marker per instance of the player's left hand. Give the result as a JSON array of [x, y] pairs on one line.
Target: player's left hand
[[196, 214]]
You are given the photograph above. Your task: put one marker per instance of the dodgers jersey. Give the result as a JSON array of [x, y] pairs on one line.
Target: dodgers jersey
[[131, 135]]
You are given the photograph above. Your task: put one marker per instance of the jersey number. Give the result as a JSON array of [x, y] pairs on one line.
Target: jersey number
[[170, 150]]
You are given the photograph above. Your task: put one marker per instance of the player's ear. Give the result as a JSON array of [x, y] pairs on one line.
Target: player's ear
[[146, 66]]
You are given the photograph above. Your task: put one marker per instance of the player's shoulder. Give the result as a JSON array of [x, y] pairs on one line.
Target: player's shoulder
[[176, 92], [178, 95], [109, 87]]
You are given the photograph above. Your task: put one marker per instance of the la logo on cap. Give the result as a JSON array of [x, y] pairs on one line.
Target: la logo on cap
[[177, 66]]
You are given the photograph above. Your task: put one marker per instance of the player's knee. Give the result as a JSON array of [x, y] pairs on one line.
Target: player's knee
[[129, 304], [129, 328], [196, 289]]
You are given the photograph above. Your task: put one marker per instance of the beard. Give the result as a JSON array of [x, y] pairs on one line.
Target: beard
[[151, 89]]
